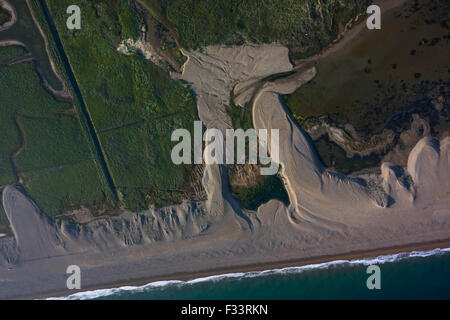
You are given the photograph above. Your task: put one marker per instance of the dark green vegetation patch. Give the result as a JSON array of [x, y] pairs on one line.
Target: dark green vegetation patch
[[26, 31], [334, 156], [4, 223], [134, 105], [260, 191], [44, 145], [305, 26], [8, 54]]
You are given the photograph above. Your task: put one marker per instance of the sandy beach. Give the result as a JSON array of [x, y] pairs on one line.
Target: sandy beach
[[257, 267]]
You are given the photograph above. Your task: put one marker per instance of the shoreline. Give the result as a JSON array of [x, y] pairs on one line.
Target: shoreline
[[354, 255]]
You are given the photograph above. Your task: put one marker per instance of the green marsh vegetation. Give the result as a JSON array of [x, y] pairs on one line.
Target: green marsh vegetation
[[134, 105], [334, 156], [21, 92], [69, 187], [39, 133], [305, 26], [26, 31]]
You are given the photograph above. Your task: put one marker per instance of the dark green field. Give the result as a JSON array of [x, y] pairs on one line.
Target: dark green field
[[26, 31], [305, 26], [46, 150], [247, 185]]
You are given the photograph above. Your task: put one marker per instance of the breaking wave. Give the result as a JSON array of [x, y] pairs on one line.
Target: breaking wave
[[87, 295]]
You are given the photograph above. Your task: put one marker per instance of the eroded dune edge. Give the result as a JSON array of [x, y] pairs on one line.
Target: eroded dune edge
[[329, 213]]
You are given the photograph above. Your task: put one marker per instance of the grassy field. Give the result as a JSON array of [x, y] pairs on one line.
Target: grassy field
[[335, 157], [5, 16], [61, 67], [305, 26], [55, 162], [134, 104], [247, 185]]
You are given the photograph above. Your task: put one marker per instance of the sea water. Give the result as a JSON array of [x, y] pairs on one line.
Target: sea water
[[413, 275]]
